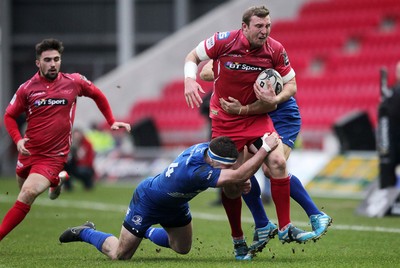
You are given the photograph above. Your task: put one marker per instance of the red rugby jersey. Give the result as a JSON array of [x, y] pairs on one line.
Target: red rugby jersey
[[236, 67], [49, 107]]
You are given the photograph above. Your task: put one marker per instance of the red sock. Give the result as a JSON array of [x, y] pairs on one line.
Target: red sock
[[233, 209], [280, 191], [13, 217]]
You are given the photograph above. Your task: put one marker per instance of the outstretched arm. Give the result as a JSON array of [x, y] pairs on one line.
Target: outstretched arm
[[118, 125], [250, 167], [192, 88], [103, 105]]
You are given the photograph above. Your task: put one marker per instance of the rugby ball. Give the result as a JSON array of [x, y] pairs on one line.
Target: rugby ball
[[274, 77]]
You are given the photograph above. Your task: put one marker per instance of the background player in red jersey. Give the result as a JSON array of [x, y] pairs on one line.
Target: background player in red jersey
[[80, 162], [48, 100], [238, 58]]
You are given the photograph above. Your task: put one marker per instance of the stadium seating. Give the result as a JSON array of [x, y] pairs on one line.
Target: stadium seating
[[349, 79], [337, 49], [177, 124]]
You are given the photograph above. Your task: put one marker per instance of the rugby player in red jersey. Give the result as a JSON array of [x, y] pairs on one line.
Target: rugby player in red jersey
[[48, 100], [238, 58]]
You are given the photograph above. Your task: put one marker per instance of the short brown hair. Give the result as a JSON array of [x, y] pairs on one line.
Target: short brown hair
[[49, 44], [259, 11]]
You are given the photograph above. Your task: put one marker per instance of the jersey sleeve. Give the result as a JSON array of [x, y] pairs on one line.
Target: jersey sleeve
[[11, 125], [88, 89], [281, 62], [13, 110], [17, 103], [206, 176], [212, 47]]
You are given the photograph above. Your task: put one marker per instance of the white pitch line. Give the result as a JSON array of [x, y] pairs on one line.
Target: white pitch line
[[213, 217], [198, 215]]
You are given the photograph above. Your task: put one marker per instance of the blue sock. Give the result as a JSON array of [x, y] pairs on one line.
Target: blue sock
[[254, 203], [158, 236], [300, 195], [93, 237]]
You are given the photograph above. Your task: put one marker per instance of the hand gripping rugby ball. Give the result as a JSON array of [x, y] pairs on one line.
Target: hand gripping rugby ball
[[274, 77]]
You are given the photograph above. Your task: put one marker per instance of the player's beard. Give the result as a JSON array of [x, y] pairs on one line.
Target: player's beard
[[51, 74], [257, 42]]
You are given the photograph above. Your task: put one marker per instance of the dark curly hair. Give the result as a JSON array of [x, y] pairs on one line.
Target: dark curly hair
[[224, 147], [49, 44]]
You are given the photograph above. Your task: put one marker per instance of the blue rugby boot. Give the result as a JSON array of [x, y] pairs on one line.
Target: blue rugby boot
[[294, 234], [261, 238], [240, 249], [320, 224]]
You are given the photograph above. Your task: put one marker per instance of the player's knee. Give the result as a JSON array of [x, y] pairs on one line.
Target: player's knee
[[121, 256], [232, 191], [277, 163], [27, 195], [266, 171], [183, 250]]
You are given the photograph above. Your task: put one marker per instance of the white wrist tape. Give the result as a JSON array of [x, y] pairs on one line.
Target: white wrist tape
[[190, 69], [265, 145]]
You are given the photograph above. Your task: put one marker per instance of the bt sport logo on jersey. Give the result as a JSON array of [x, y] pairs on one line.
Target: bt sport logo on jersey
[[237, 66], [50, 102]]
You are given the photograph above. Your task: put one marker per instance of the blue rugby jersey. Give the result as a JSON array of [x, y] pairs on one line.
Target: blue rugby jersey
[[287, 121], [182, 180]]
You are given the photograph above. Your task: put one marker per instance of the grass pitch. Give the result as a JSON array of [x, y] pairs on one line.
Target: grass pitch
[[352, 240]]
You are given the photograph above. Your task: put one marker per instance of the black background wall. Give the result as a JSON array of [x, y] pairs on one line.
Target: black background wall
[[88, 31]]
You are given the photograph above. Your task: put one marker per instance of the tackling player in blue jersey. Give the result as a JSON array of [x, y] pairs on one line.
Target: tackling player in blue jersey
[[163, 199]]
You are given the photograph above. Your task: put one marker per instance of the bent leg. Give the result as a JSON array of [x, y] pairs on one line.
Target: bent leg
[[116, 249], [297, 191], [254, 203], [121, 248], [180, 238], [13, 217], [125, 246], [233, 207], [300, 195], [32, 187], [280, 185]]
